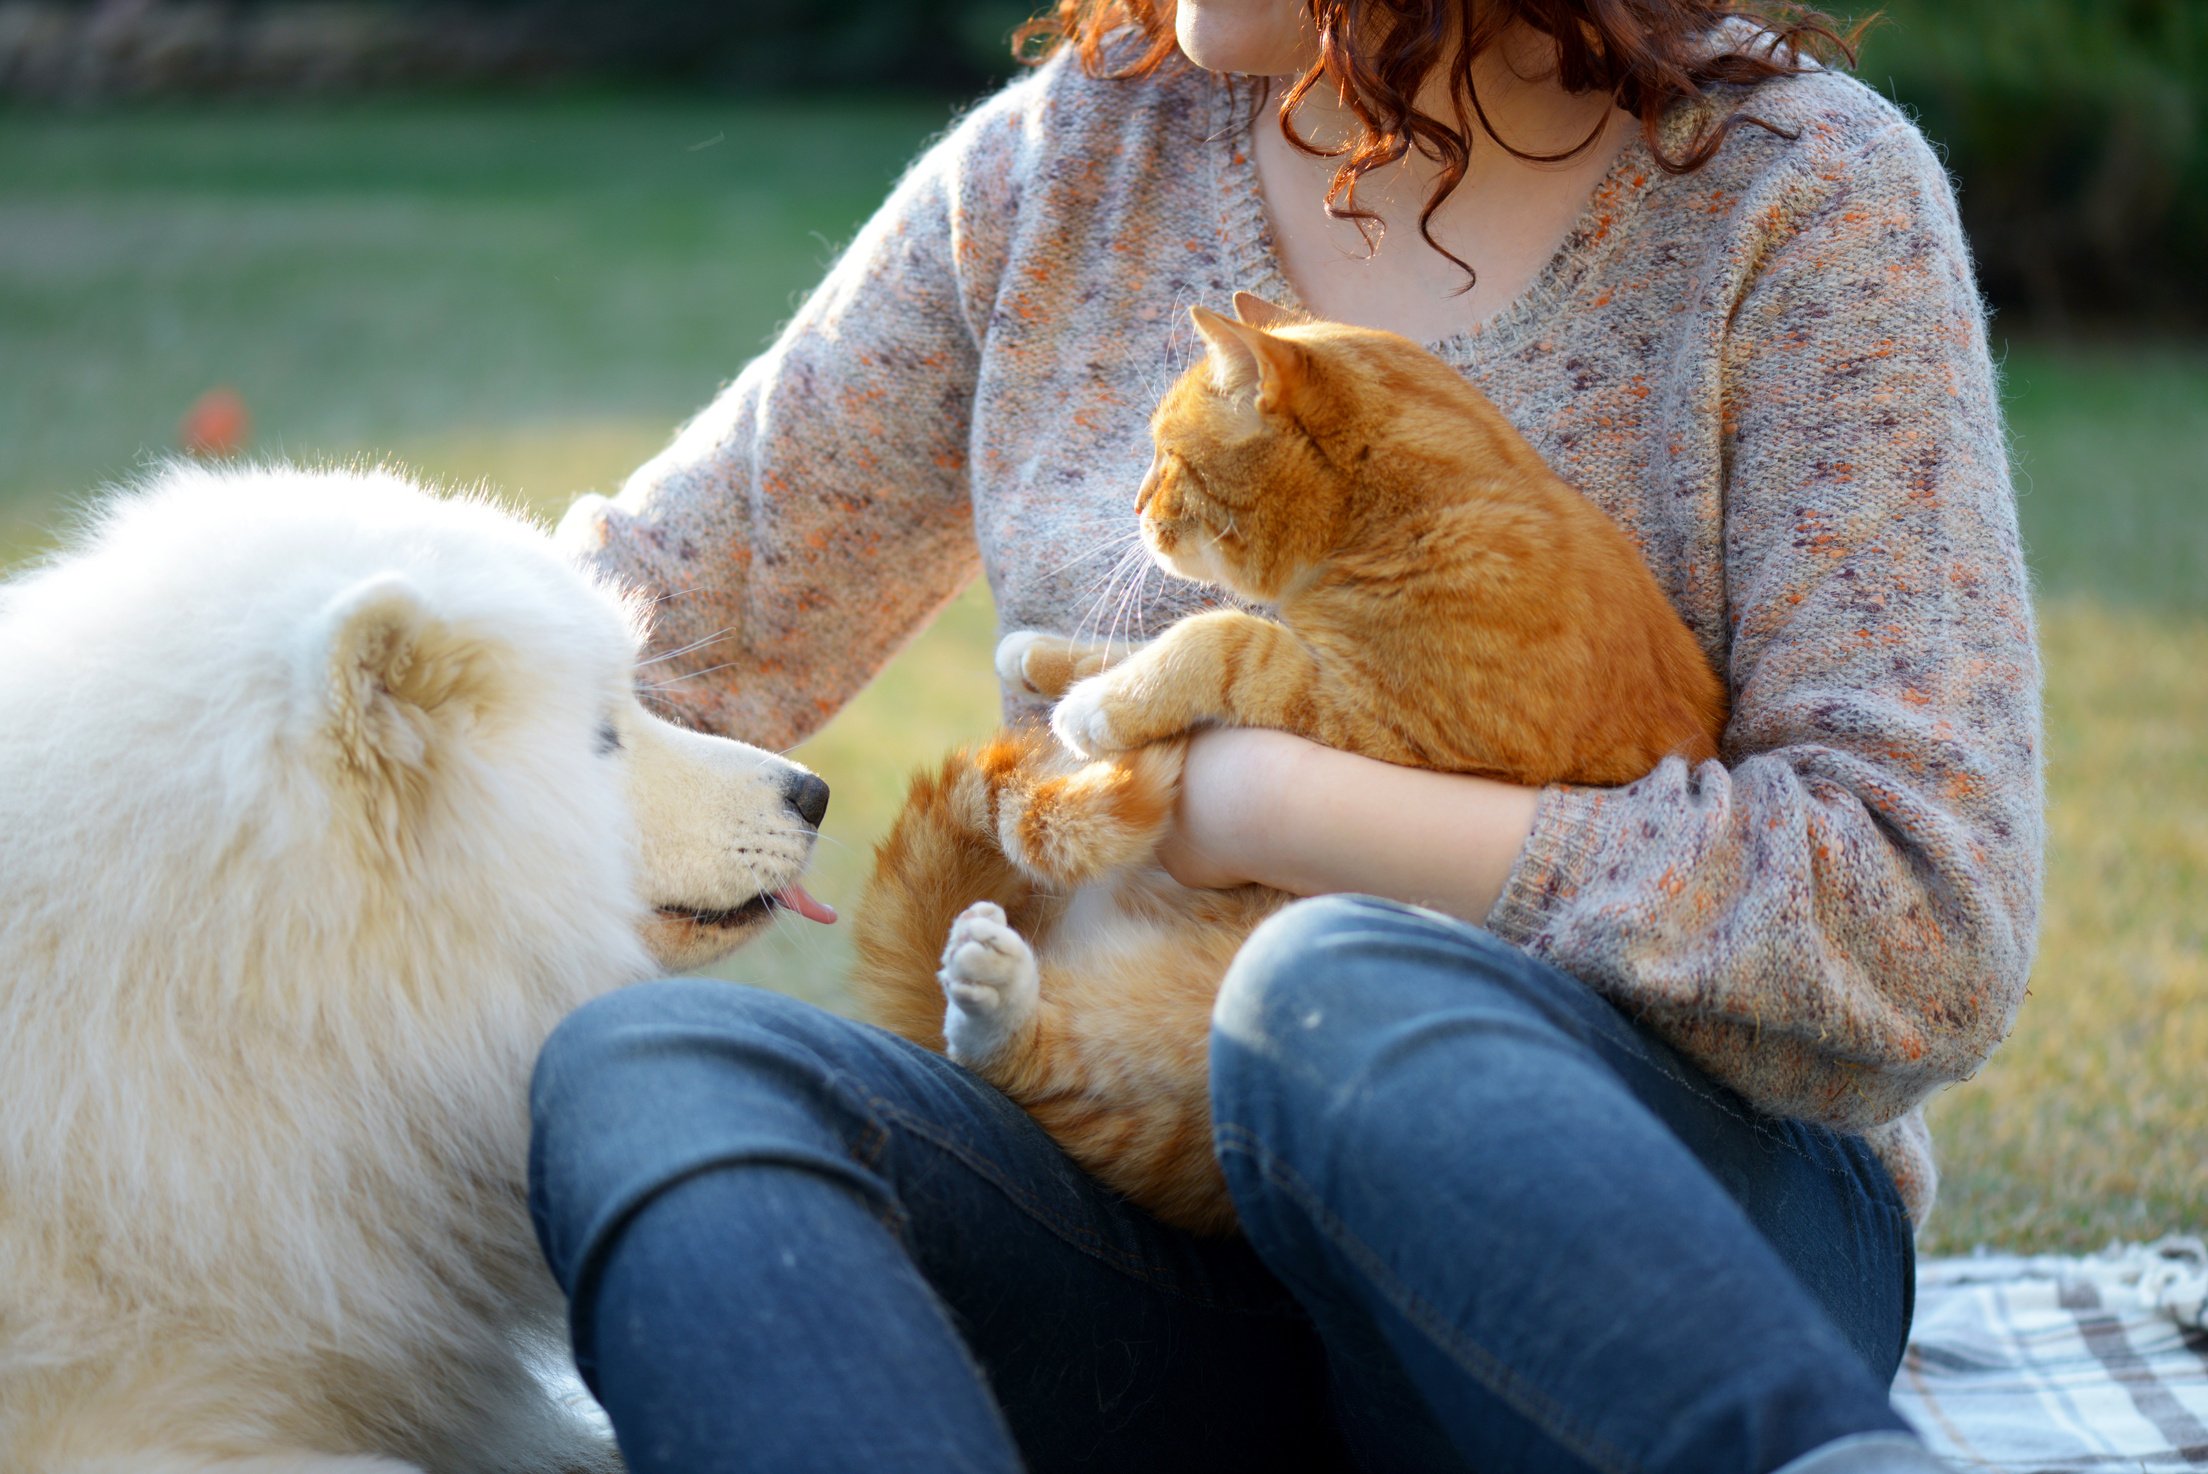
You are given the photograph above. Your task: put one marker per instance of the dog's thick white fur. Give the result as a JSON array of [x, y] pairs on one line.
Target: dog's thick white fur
[[321, 801]]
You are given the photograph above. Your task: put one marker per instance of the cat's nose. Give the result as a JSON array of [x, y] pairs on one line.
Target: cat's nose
[[1149, 487], [808, 795]]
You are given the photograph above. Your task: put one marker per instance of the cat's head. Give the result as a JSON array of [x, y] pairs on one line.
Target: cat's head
[[1262, 467]]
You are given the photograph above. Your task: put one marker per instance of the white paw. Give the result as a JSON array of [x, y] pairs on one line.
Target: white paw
[[1012, 657], [1079, 721], [990, 983]]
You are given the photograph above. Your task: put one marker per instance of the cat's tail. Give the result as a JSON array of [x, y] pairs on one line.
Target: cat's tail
[[1070, 828], [940, 857]]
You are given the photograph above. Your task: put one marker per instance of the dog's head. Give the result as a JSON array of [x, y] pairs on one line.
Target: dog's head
[[724, 832], [421, 684], [266, 716]]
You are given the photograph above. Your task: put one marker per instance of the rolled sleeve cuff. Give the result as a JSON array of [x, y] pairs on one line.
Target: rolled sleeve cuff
[[1558, 856]]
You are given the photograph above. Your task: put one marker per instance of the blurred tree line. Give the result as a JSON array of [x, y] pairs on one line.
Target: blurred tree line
[[2077, 129]]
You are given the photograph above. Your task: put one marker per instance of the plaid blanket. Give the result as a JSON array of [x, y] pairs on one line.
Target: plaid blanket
[[2048, 1365]]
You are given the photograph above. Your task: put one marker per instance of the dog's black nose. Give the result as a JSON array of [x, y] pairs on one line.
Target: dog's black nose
[[808, 795]]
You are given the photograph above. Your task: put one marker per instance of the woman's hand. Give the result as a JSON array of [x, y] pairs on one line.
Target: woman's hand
[[1266, 808]]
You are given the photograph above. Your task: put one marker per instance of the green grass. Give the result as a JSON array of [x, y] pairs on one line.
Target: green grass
[[373, 276], [2109, 444], [535, 293]]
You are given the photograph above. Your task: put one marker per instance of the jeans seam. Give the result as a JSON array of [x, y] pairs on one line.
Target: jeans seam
[[1148, 1272], [1482, 1365], [1905, 1231], [1753, 1120], [869, 1151]]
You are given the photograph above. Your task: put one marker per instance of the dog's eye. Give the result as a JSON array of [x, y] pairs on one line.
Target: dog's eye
[[609, 738]]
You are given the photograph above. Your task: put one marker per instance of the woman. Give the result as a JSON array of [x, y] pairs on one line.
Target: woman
[[1623, 1177]]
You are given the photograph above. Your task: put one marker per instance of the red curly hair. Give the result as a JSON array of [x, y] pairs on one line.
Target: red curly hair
[[1376, 54]]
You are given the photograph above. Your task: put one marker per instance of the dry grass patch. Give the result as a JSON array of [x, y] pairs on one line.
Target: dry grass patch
[[2092, 1121]]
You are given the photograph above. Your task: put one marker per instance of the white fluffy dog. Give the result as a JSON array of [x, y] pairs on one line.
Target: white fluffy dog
[[321, 801]]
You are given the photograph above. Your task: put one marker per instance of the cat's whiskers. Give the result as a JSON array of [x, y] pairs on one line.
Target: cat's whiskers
[[1094, 623], [1117, 543], [673, 681], [1135, 608], [1093, 613], [681, 650], [1128, 609], [672, 594]]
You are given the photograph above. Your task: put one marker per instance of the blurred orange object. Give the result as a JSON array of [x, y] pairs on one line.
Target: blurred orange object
[[216, 426]]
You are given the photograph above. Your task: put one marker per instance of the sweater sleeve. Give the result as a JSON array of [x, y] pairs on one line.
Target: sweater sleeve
[[1838, 917], [815, 515]]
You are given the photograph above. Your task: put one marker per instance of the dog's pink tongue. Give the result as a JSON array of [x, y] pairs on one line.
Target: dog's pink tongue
[[797, 898]]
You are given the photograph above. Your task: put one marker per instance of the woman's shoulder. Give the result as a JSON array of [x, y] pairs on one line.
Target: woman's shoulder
[[1819, 129], [1061, 110]]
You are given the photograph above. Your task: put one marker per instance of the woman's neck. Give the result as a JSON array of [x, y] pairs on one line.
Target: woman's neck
[[1506, 217]]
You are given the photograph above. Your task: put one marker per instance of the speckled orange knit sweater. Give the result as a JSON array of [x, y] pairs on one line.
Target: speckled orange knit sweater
[[1772, 373]]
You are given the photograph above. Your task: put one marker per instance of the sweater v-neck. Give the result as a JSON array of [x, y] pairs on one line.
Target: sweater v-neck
[[1246, 226]]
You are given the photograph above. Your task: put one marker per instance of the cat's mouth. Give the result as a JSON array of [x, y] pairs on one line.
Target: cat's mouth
[[1187, 549]]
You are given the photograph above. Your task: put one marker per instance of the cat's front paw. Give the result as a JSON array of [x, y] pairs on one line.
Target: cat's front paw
[[1046, 664], [1082, 721], [991, 986], [1012, 655]]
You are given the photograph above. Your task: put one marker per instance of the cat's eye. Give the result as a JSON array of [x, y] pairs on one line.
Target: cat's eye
[[609, 737]]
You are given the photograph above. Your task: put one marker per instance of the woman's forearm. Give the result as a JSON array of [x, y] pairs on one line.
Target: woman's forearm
[[1280, 811]]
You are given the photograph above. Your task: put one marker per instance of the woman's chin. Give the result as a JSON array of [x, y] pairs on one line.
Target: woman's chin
[[1251, 38]]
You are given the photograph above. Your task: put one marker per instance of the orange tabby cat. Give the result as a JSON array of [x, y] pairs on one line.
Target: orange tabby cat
[[1444, 601]]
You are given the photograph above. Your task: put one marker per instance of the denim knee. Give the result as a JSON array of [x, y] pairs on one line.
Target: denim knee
[[586, 1036], [642, 1088], [1323, 975], [598, 1037], [1293, 964], [1324, 1008]]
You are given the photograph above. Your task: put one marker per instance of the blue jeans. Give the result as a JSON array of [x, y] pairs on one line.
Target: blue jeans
[[1491, 1225]]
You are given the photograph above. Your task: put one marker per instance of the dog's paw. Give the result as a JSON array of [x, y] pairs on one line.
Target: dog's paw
[[1082, 723], [991, 986]]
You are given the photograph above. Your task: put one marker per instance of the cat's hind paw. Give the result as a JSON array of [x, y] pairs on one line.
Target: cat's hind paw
[[991, 986], [1082, 723]]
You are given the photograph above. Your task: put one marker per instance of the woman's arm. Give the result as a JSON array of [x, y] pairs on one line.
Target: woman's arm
[[1272, 809], [816, 513]]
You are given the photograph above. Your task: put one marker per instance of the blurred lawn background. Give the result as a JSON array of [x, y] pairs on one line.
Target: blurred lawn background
[[531, 285]]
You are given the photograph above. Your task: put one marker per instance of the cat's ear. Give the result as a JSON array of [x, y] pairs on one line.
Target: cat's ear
[[1242, 357], [1254, 311]]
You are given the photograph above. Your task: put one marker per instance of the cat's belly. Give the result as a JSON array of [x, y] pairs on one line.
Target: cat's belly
[[1137, 913], [1098, 918]]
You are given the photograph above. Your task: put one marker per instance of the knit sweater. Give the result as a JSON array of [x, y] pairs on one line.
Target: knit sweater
[[1772, 373]]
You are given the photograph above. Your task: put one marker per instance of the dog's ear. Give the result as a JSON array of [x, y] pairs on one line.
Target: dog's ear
[[391, 667]]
